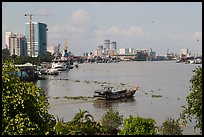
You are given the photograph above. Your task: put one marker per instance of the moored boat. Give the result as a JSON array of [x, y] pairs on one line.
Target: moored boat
[[53, 71], [60, 64]]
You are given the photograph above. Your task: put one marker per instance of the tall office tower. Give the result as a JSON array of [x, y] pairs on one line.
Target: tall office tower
[[107, 44], [113, 45], [7, 39], [100, 47], [39, 39], [23, 44], [14, 47], [16, 43]]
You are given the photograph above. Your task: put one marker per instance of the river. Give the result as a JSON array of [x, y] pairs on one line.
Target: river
[[168, 79]]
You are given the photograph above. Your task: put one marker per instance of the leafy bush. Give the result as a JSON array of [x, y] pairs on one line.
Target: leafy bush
[[171, 127], [111, 121], [82, 124], [24, 106], [138, 126], [194, 100]]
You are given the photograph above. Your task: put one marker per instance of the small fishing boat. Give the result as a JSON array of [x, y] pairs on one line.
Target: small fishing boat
[[109, 94]]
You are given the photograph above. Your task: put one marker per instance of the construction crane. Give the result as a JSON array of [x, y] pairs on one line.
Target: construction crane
[[31, 42], [66, 44]]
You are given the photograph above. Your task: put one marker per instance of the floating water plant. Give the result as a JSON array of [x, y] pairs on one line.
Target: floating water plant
[[156, 95]]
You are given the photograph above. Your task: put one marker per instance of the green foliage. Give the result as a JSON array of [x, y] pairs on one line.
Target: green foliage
[[5, 54], [111, 121], [24, 106], [138, 126], [171, 127], [194, 100], [61, 127], [82, 124], [47, 57], [24, 59]]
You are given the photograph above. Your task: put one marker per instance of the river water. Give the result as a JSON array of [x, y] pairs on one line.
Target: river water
[[168, 79]]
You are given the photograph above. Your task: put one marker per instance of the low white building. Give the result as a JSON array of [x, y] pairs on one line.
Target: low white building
[[123, 51]]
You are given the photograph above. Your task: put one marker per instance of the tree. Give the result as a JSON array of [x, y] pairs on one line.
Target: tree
[[5, 54], [194, 100], [82, 124], [23, 60], [171, 127], [47, 57], [111, 121], [24, 106], [138, 126]]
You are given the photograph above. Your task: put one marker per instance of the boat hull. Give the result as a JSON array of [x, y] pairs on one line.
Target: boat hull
[[60, 64], [109, 95]]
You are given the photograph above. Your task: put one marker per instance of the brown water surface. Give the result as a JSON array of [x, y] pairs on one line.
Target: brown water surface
[[169, 80]]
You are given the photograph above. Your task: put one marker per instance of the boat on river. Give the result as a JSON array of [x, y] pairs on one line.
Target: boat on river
[[61, 64], [109, 94]]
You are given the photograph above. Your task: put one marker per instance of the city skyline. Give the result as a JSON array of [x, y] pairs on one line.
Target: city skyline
[[157, 25]]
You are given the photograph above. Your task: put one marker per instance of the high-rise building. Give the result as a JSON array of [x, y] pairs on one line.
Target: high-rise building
[[7, 39], [100, 47], [107, 44], [39, 39], [23, 45], [113, 45], [16, 43]]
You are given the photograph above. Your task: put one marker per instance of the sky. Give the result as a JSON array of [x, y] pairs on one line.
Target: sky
[[160, 26]]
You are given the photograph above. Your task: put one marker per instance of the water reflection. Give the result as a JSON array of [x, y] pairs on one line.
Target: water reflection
[[44, 85], [105, 104]]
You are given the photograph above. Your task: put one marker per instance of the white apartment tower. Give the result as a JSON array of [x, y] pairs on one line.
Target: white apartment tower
[[16, 43], [7, 39]]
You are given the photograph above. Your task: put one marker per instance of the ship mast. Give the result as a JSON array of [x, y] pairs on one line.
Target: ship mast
[[66, 45]]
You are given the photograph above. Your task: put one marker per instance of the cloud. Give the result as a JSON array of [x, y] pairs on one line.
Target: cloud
[[65, 29], [78, 28], [176, 37], [131, 33], [78, 22], [185, 37], [80, 16], [198, 35]]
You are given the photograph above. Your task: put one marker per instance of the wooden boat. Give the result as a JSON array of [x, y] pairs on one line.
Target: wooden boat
[[109, 94]]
